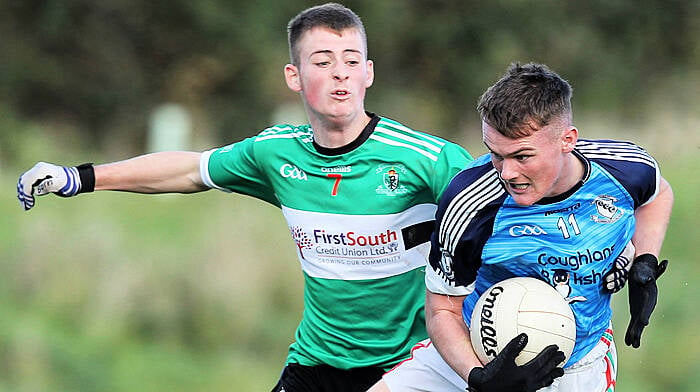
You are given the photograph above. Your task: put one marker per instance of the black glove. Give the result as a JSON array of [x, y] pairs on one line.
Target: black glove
[[503, 375], [645, 270]]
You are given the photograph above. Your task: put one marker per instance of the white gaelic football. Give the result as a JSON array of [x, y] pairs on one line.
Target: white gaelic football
[[518, 305]]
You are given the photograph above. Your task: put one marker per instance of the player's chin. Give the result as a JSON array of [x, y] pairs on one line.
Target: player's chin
[[524, 203], [341, 114], [523, 198]]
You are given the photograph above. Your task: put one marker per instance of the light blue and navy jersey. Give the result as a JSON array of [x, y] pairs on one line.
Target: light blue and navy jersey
[[570, 241]]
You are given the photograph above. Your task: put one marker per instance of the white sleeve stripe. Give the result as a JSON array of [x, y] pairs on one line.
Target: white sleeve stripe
[[386, 123], [408, 139], [285, 136], [619, 157], [204, 171], [432, 157], [615, 151], [454, 232], [276, 129], [464, 207]]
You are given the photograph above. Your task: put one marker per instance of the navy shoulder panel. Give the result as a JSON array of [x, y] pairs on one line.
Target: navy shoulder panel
[[628, 163]]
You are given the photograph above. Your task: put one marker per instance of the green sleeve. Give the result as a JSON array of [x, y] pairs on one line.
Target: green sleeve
[[453, 158], [239, 168]]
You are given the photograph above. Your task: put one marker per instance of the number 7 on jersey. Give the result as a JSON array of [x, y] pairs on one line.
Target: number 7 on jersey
[[337, 177]]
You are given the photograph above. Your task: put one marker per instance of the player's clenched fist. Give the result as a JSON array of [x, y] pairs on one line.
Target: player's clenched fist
[[46, 178]]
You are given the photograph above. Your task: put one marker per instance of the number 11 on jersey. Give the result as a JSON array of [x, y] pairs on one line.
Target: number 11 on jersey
[[561, 224]]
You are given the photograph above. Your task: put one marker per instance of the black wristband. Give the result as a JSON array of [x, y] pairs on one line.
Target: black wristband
[[87, 178]]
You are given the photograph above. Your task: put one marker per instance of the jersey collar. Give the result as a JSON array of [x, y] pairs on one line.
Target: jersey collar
[[364, 135]]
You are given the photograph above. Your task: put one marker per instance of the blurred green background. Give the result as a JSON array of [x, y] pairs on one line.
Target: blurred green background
[[123, 292]]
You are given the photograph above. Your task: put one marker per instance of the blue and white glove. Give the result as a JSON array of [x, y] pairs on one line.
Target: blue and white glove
[[46, 178], [616, 278]]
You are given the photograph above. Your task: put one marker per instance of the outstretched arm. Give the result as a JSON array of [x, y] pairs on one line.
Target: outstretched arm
[[162, 172]]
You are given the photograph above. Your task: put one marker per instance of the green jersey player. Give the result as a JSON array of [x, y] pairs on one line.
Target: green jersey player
[[359, 193]]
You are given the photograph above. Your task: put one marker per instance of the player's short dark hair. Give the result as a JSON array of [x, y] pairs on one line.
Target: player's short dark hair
[[332, 15], [526, 94]]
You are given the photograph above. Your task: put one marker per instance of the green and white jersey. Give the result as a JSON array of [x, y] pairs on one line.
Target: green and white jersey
[[360, 216]]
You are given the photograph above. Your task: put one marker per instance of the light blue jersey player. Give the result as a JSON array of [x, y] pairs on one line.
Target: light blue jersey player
[[546, 204], [569, 241]]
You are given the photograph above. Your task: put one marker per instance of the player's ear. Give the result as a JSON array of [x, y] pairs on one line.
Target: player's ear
[[569, 138], [370, 73], [291, 76]]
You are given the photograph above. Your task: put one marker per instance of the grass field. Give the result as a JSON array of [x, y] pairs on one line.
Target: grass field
[[122, 292]]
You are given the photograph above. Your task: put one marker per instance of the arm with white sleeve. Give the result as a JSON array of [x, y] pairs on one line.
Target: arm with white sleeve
[[162, 172]]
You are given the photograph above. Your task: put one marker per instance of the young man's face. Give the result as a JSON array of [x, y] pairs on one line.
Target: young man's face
[[333, 73], [534, 166]]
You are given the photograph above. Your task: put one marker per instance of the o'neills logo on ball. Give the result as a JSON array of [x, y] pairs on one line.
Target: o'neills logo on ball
[[487, 329]]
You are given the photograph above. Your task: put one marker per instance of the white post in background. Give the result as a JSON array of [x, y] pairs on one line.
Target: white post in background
[[290, 113], [170, 127]]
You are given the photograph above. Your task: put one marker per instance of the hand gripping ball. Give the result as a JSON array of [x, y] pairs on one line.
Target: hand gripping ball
[[519, 305]]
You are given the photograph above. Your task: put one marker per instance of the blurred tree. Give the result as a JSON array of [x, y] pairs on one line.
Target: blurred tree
[[102, 67]]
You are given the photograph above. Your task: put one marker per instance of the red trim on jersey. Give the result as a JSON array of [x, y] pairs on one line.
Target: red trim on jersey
[[416, 347]]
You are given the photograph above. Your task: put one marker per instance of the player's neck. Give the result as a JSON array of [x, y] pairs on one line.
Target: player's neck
[[571, 179], [333, 134], [576, 170]]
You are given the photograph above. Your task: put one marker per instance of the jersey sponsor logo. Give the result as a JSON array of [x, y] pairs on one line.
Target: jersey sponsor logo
[[562, 283], [568, 275], [349, 248], [337, 169], [351, 238], [301, 240], [290, 171], [569, 283], [575, 261], [565, 209], [521, 230], [606, 208], [391, 179]]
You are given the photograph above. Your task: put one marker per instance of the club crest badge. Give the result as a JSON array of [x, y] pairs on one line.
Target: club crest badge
[[391, 179], [607, 211]]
